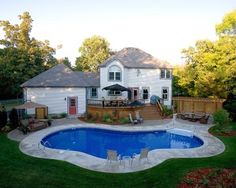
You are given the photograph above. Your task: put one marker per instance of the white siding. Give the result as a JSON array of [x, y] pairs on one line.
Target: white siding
[[141, 78], [104, 78], [56, 98]]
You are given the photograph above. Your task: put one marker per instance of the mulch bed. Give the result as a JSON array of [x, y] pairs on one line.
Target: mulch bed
[[232, 133], [208, 177], [99, 121]]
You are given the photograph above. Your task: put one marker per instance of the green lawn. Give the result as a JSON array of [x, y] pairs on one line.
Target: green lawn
[[19, 170]]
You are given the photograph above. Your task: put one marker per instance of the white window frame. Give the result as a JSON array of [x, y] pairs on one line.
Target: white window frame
[[165, 74], [148, 90], [114, 74], [91, 92], [167, 94]]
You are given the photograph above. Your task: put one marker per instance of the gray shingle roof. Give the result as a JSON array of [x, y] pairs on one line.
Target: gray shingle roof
[[136, 58], [62, 76]]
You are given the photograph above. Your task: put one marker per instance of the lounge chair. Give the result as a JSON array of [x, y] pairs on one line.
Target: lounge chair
[[112, 156], [138, 117], [133, 121], [143, 155]]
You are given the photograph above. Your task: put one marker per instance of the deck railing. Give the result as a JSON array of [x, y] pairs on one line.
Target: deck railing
[[112, 103]]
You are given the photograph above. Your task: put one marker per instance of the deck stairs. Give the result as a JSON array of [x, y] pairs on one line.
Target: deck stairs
[[151, 112]]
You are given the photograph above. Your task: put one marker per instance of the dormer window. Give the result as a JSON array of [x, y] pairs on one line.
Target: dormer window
[[165, 74], [114, 73]]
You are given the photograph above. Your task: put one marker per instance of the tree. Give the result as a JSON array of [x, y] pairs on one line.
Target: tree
[[94, 51], [228, 25], [65, 61], [22, 57], [210, 69]]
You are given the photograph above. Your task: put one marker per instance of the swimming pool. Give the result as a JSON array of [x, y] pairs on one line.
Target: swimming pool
[[96, 142]]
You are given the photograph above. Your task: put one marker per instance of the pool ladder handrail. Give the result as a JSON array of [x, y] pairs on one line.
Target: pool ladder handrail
[[44, 143]]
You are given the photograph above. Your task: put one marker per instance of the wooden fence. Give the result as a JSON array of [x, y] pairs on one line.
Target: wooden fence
[[194, 104]]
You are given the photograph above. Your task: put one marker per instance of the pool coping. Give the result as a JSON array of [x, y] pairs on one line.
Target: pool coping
[[212, 146]]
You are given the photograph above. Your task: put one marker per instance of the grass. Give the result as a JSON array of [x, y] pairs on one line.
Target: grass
[[19, 170]]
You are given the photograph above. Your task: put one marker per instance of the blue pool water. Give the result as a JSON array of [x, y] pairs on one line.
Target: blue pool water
[[96, 142]]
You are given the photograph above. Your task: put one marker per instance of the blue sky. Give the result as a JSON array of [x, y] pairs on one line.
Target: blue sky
[[160, 27]]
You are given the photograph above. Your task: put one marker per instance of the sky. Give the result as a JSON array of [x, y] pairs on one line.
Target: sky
[[160, 27]]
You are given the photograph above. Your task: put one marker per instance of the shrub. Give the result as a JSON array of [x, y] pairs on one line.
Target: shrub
[[54, 117], [6, 128], [13, 116], [124, 120], [63, 115], [166, 110], [89, 116], [230, 106], [107, 118], [3, 117], [221, 117]]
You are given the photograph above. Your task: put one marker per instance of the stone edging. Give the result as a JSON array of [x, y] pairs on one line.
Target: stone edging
[[212, 146]]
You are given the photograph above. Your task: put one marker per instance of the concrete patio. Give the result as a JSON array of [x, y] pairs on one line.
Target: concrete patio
[[30, 145]]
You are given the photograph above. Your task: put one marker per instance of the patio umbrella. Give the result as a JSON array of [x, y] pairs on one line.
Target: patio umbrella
[[116, 87], [28, 105]]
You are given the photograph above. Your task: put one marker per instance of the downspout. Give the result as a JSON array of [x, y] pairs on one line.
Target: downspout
[[86, 99]]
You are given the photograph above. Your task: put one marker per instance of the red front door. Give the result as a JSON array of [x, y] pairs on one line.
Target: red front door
[[72, 105]]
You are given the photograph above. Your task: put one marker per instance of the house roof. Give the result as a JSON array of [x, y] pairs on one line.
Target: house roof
[[62, 76], [136, 58]]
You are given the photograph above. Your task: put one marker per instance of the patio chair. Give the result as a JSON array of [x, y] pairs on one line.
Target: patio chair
[[143, 155], [112, 156], [138, 117], [133, 121]]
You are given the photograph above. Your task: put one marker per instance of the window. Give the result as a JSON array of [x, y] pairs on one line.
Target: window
[[72, 102], [165, 74], [162, 73], [165, 93], [145, 93], [118, 76], [114, 93], [94, 93], [111, 76], [114, 73]]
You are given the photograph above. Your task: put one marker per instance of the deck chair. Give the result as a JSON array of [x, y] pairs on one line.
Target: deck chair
[[138, 117], [112, 156], [143, 155], [133, 121]]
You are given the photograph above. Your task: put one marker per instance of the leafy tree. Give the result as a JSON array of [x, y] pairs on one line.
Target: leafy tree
[[177, 89], [210, 69], [228, 25], [94, 51], [22, 57], [65, 61]]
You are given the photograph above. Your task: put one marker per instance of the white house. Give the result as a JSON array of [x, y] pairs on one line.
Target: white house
[[64, 90]]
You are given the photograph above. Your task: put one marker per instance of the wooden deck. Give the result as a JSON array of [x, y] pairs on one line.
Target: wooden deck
[[148, 111]]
